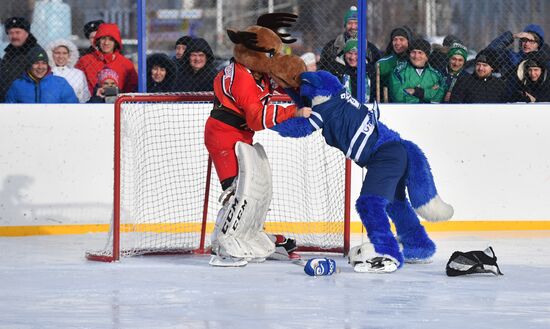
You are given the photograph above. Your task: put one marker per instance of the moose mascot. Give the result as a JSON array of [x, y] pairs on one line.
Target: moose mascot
[[242, 106]]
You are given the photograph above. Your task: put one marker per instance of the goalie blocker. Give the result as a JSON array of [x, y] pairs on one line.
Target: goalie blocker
[[239, 235]]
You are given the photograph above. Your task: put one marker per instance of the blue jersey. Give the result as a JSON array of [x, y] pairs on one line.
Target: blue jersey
[[347, 125]]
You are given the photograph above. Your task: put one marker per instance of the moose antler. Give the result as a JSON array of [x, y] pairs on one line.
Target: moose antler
[[275, 21], [248, 39]]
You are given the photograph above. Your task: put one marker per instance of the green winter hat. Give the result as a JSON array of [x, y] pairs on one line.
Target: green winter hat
[[351, 44], [458, 49], [37, 54], [351, 14]]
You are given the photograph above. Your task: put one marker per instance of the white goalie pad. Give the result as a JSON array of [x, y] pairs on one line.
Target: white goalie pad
[[239, 231]]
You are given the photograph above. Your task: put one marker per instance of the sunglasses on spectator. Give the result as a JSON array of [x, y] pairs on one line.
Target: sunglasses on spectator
[[528, 40]]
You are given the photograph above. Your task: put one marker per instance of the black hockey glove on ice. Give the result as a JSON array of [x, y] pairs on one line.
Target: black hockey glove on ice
[[462, 263]]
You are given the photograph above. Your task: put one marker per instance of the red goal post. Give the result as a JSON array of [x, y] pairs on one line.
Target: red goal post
[[166, 190]]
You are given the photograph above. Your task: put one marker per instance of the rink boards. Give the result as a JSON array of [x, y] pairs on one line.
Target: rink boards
[[489, 161]]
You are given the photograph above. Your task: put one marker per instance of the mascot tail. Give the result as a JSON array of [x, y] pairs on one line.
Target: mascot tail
[[421, 187]]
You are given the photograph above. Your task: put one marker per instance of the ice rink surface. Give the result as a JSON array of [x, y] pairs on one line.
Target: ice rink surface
[[45, 282]]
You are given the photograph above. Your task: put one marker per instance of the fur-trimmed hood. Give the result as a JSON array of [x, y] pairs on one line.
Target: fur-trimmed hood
[[73, 51], [541, 61]]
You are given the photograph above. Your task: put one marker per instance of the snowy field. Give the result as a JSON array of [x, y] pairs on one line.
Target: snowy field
[[45, 282]]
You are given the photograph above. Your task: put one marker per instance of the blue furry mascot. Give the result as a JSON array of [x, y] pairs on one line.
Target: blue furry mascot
[[392, 163]]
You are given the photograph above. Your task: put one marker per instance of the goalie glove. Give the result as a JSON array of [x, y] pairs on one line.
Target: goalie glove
[[462, 263], [281, 241], [284, 247]]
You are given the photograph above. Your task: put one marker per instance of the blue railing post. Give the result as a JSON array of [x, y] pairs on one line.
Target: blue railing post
[[362, 49], [142, 45]]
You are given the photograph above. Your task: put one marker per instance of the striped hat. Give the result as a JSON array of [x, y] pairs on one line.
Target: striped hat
[[105, 74]]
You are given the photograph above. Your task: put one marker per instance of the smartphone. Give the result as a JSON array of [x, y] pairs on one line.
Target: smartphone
[[110, 91]]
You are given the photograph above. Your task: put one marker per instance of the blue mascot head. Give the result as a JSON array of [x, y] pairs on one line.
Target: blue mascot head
[[320, 83]]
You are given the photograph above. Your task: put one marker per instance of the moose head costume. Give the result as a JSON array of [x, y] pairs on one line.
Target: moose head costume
[[258, 47]]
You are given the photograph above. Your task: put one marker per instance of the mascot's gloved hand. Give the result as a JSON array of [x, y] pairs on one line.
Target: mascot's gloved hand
[[296, 98], [294, 127]]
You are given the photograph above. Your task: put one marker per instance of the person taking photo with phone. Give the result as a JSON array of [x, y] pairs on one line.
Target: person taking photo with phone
[[106, 90]]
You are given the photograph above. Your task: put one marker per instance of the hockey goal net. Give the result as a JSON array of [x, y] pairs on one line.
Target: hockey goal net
[[166, 189]]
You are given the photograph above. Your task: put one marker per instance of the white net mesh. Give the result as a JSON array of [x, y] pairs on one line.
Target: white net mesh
[[164, 173]]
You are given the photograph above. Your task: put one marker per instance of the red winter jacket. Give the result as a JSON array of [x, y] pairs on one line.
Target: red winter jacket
[[95, 61]]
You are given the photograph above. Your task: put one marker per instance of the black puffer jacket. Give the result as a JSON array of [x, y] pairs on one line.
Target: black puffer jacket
[[203, 79], [16, 60], [472, 89]]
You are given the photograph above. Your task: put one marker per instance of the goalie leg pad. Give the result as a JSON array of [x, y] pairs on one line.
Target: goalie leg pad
[[220, 256], [239, 231], [226, 261]]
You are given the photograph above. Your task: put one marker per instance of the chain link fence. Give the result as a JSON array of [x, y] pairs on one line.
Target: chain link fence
[[471, 56]]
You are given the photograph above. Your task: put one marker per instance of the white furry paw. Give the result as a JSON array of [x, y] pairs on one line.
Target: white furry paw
[[436, 210]]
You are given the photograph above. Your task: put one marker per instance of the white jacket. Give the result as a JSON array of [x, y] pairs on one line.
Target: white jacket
[[75, 77]]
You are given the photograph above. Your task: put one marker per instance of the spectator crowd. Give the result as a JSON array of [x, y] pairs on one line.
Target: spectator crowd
[[408, 70], [411, 70], [59, 73]]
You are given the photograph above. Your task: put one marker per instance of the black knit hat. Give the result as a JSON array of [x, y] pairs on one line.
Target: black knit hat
[[92, 26], [532, 63], [17, 22], [535, 59], [450, 39], [185, 40], [488, 57], [421, 44], [403, 31]]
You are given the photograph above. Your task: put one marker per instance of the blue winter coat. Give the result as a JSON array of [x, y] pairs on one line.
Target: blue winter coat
[[508, 59], [50, 89]]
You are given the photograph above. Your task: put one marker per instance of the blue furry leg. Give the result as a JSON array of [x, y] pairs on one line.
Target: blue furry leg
[[417, 246], [372, 211]]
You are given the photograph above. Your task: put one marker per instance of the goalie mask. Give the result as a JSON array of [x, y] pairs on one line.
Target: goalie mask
[[462, 263]]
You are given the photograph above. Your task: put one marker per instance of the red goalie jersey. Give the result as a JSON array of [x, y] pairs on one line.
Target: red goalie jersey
[[241, 106], [237, 90]]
